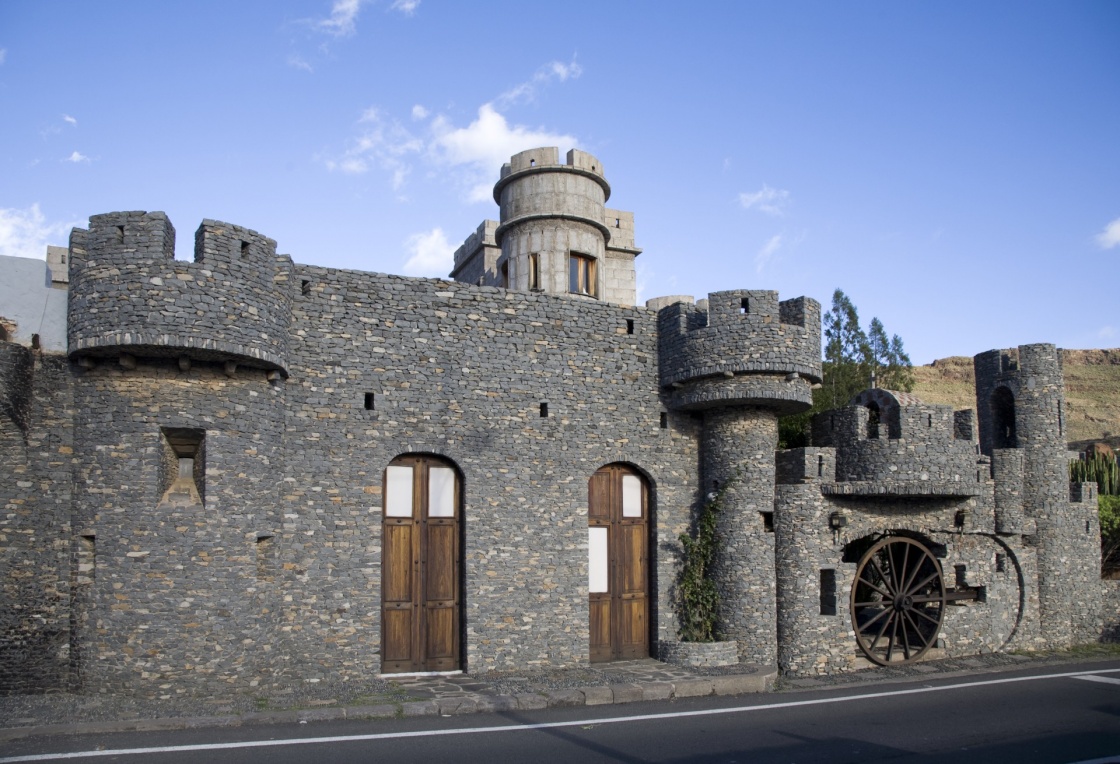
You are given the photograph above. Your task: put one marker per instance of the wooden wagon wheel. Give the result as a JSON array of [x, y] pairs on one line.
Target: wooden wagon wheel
[[898, 601]]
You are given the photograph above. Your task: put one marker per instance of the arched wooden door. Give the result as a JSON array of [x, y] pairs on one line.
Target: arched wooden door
[[618, 563], [420, 566]]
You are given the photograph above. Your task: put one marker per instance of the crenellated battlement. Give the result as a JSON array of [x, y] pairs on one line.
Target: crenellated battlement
[[746, 346], [128, 295], [546, 159], [901, 446]]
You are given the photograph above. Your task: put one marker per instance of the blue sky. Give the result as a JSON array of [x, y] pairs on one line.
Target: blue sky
[[954, 167]]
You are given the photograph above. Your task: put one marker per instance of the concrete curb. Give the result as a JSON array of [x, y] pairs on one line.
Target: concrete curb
[[727, 684]]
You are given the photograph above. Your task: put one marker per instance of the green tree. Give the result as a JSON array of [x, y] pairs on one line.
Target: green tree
[[850, 357]]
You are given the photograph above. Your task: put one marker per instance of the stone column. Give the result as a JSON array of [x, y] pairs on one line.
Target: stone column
[[738, 448]]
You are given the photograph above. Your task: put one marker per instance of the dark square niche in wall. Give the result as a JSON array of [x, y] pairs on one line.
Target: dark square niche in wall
[[184, 462]]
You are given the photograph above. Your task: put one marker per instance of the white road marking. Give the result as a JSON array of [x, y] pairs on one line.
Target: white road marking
[[546, 725], [1105, 679]]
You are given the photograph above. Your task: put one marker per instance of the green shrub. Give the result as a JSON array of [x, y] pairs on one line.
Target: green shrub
[[697, 595], [1109, 507], [1101, 470]]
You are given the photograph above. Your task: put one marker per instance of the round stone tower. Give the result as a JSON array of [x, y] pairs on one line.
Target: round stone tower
[[741, 363], [556, 235], [1020, 397]]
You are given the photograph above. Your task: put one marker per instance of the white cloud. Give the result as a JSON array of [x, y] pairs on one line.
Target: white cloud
[[298, 62], [1110, 236], [431, 254], [343, 18], [68, 119], [771, 201], [766, 254], [470, 154], [407, 7], [484, 145], [77, 158], [770, 252], [1106, 332], [384, 144], [527, 91], [26, 232]]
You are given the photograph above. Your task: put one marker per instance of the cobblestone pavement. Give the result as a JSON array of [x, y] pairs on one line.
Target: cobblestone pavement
[[621, 682]]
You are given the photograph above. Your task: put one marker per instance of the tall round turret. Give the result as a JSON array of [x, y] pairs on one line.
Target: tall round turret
[[1020, 396], [556, 235], [740, 363]]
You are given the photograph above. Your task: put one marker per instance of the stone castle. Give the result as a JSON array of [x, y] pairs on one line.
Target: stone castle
[[242, 471]]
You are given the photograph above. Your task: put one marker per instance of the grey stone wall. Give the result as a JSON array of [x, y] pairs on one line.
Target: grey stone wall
[[290, 388], [811, 641], [738, 456], [35, 488], [462, 371], [173, 596], [912, 443], [1030, 419], [128, 293], [1110, 610]]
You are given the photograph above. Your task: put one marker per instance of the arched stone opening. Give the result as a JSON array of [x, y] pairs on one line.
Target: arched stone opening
[[1003, 419]]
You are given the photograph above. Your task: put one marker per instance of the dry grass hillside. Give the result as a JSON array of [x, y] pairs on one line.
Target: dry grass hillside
[[1092, 391]]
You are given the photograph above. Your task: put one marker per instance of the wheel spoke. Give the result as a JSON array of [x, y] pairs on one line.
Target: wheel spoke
[[905, 639], [891, 554], [886, 581], [893, 638], [906, 577], [934, 621], [913, 573], [926, 580], [918, 632], [884, 592], [878, 615], [879, 636]]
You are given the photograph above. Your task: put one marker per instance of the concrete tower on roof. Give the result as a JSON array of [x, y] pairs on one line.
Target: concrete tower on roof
[[555, 234]]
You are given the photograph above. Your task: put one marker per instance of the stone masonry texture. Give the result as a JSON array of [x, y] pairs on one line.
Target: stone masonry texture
[[192, 491]]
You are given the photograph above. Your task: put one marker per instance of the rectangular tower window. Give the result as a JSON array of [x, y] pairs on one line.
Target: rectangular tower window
[[305, 287], [87, 560], [544, 410], [828, 591], [745, 305], [629, 326], [505, 274], [244, 249], [581, 275], [664, 420], [534, 271], [184, 462], [264, 557]]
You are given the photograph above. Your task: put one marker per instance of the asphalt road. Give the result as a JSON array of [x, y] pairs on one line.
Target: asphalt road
[[1046, 714]]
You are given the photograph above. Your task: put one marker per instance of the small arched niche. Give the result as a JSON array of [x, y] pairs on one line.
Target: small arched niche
[[1003, 419]]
